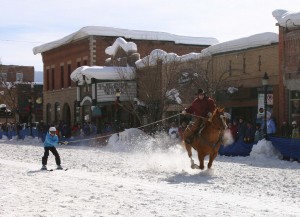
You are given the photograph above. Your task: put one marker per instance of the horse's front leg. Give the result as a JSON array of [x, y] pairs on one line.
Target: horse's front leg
[[193, 165], [212, 157], [201, 160], [189, 150]]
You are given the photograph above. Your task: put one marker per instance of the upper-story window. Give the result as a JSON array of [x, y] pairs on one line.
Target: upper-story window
[[244, 65], [62, 76], [3, 76], [19, 77], [48, 79], [230, 67], [69, 73], [52, 78], [259, 63], [78, 64]]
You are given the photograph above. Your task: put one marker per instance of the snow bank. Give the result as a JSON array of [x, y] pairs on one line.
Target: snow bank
[[264, 149]]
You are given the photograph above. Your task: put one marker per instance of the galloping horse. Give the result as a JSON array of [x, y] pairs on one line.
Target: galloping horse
[[209, 140]]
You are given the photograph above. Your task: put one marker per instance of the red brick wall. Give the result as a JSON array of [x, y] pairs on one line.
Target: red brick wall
[[12, 70], [63, 55]]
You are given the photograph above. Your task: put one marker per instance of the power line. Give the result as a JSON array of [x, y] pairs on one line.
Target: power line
[[7, 40]]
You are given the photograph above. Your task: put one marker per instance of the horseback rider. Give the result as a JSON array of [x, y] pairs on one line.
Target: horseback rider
[[202, 107]]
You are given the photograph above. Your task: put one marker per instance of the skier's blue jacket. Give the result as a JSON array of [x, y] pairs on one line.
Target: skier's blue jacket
[[51, 141]]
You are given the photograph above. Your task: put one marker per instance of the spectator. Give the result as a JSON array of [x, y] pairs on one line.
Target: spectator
[[233, 127], [249, 133], [241, 128], [258, 133], [41, 129], [295, 131], [76, 130], [286, 130], [173, 131], [271, 127]]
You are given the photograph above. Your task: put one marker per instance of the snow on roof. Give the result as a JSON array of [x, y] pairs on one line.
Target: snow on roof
[[102, 73], [286, 18], [233, 45], [120, 42], [256, 40], [133, 34]]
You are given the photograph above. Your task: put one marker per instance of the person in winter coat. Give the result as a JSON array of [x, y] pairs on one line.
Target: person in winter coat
[[241, 128], [249, 133], [202, 107], [258, 133], [271, 126], [51, 141], [295, 131], [173, 131]]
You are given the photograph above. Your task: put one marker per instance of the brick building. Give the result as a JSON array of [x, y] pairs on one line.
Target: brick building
[[19, 93], [87, 47], [289, 65]]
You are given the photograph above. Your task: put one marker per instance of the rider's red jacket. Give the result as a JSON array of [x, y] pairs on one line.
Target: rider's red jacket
[[202, 107]]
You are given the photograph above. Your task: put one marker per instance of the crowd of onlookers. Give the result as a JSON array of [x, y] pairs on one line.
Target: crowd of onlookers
[[63, 130], [248, 131]]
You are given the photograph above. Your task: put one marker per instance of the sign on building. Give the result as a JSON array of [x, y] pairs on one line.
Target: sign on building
[[106, 91], [261, 100]]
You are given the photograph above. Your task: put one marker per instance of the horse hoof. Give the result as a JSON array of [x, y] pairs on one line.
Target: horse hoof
[[195, 166]]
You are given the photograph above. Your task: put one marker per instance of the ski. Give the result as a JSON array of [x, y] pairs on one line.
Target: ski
[[65, 169], [50, 170]]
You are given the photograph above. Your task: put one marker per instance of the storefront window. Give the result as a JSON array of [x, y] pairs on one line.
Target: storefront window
[[295, 106]]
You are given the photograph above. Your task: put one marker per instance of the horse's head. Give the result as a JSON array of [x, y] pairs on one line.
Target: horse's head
[[219, 118]]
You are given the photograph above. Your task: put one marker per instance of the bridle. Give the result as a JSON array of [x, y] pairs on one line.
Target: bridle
[[224, 125]]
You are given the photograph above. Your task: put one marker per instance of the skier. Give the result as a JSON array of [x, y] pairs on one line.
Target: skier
[[51, 141]]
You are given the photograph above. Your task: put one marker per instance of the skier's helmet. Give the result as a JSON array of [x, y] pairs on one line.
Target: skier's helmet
[[52, 129]]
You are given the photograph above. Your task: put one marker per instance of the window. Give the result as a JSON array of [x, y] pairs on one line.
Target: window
[[78, 64], [244, 65], [19, 77], [69, 74], [52, 79], [3, 76], [230, 67], [47, 79], [259, 63], [85, 62], [62, 76]]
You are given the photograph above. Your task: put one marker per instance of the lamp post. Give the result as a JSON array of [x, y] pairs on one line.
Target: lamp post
[[117, 109], [265, 82]]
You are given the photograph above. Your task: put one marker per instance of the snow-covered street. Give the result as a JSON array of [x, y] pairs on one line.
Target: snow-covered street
[[146, 179]]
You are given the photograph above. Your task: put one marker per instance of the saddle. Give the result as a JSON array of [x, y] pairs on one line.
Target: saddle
[[193, 129]]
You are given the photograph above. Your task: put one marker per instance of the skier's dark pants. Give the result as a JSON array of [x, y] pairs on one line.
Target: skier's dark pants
[[46, 154]]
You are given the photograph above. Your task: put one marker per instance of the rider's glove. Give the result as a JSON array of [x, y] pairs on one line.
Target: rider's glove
[[183, 112], [209, 114]]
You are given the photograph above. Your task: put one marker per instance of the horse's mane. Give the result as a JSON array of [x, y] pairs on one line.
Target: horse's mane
[[218, 109]]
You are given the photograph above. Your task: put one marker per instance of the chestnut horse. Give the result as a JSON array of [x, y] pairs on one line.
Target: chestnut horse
[[209, 140]]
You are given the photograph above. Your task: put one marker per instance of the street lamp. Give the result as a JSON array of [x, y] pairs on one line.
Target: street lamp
[[117, 108], [265, 82]]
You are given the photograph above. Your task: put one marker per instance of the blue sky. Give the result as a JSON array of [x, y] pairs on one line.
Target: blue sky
[[25, 24]]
